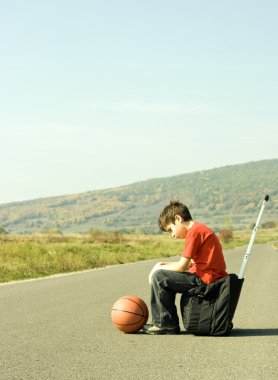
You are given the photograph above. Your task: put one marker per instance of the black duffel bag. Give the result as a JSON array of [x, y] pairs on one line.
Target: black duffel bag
[[209, 309]]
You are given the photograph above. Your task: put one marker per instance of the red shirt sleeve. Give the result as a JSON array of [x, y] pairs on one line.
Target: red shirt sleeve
[[191, 246]]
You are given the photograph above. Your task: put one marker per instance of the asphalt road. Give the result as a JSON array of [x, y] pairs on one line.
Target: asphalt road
[[60, 328]]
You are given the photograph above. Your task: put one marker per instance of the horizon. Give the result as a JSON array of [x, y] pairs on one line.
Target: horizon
[[96, 96], [132, 183]]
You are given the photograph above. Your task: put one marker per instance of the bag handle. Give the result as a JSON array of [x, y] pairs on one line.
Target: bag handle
[[248, 252]]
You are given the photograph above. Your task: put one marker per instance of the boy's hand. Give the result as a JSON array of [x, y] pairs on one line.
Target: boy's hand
[[179, 266]]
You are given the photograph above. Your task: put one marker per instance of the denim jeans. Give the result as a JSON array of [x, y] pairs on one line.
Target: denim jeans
[[165, 285]]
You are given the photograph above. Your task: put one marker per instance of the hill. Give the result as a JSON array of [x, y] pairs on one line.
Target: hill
[[228, 196]]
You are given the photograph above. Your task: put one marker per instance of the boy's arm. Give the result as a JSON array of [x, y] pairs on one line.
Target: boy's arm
[[179, 266]]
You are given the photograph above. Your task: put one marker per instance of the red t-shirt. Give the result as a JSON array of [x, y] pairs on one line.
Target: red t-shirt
[[204, 249]]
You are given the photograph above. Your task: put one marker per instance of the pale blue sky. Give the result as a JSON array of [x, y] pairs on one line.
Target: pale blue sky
[[98, 94]]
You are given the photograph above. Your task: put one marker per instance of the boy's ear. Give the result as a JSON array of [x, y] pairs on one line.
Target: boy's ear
[[178, 218]]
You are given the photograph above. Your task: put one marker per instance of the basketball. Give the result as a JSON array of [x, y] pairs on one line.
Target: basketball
[[129, 314]]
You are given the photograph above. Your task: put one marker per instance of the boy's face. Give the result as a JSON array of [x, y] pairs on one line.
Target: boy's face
[[177, 229]]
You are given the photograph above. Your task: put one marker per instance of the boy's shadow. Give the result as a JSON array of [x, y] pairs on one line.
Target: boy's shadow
[[253, 332], [248, 332]]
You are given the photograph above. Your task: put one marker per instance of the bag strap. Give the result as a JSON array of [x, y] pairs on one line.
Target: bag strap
[[197, 291]]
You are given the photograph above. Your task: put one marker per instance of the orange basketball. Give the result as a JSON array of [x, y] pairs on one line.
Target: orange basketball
[[129, 314]]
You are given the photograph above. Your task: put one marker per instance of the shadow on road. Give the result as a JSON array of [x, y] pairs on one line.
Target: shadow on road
[[253, 332], [246, 332]]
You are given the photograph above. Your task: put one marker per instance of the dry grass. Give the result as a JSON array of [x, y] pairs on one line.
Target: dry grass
[[24, 257]]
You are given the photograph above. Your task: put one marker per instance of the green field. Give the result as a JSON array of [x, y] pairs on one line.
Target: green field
[[32, 256]]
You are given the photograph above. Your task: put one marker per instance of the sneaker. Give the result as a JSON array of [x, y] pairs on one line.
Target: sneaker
[[154, 330]]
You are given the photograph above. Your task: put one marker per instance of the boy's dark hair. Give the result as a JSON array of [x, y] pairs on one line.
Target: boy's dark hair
[[169, 212]]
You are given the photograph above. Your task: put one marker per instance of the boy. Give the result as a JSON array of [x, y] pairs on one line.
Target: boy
[[202, 261]]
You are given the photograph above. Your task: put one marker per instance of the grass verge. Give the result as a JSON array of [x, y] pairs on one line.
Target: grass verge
[[25, 257]]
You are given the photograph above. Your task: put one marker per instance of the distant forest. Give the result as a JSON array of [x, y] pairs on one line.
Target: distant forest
[[229, 196]]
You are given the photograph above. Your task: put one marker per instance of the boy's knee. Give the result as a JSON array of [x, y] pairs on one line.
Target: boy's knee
[[157, 275]]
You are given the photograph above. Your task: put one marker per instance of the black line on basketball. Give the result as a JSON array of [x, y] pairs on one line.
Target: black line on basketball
[[128, 324], [130, 312], [126, 298]]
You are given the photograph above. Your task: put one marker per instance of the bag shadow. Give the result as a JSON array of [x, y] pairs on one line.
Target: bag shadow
[[253, 332], [236, 333]]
